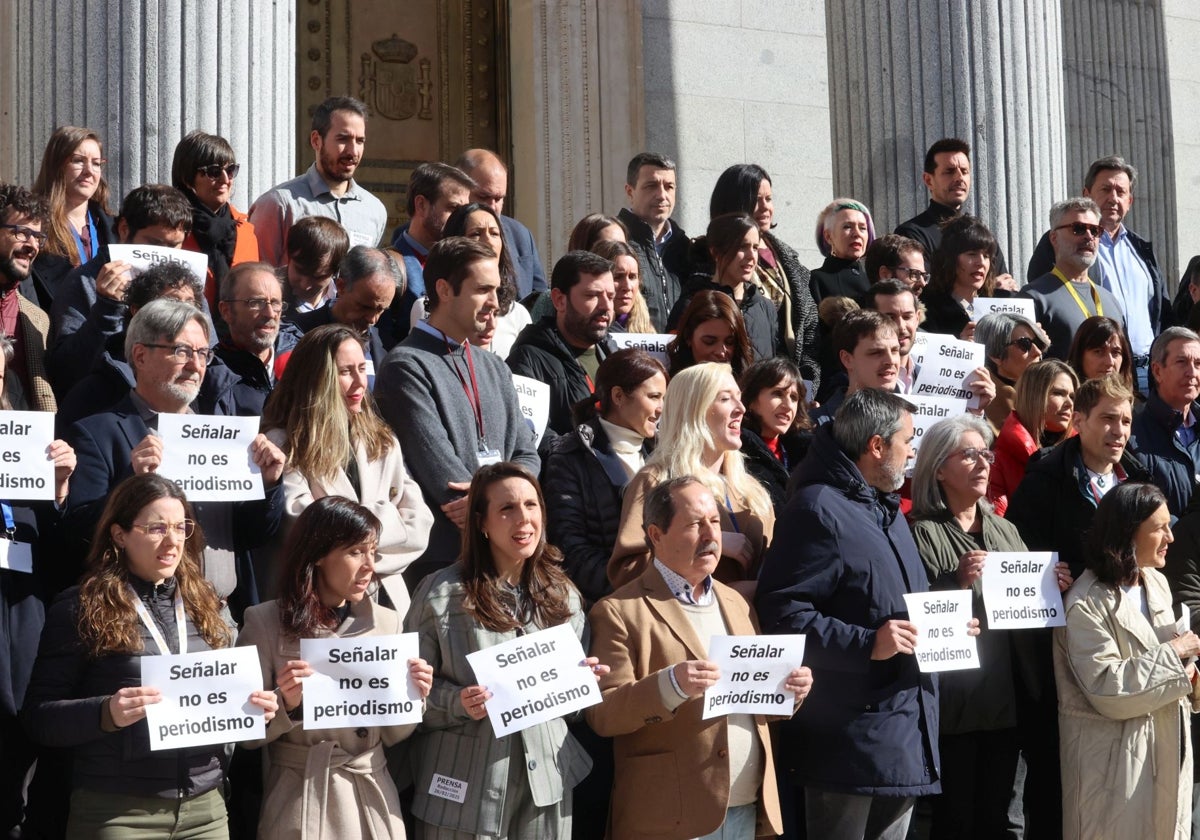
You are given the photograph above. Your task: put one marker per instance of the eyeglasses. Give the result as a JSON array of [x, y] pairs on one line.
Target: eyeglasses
[[1024, 342], [183, 354], [25, 234], [159, 530], [79, 162], [214, 170], [257, 305], [913, 275], [1080, 228], [972, 455]]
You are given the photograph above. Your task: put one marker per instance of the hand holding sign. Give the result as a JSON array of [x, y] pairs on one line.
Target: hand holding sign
[[696, 676], [113, 279]]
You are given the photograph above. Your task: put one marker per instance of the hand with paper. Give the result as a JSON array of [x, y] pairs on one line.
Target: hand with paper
[[63, 456]]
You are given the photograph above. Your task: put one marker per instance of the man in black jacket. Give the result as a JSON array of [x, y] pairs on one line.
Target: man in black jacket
[[565, 350], [659, 242]]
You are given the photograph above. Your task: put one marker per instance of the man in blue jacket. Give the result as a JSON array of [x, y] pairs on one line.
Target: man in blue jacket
[[865, 745]]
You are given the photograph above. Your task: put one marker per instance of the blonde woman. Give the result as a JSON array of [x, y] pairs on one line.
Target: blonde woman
[[322, 415], [629, 306], [701, 434]]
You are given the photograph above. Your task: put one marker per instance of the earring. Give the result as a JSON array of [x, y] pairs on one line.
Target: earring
[[485, 535]]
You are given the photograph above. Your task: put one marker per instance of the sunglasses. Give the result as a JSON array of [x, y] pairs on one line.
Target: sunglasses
[[1080, 228], [214, 170], [1024, 342]]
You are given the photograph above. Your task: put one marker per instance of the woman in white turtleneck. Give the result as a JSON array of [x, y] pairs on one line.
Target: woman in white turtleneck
[[587, 470]]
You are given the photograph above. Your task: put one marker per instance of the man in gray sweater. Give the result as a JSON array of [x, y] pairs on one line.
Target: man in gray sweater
[[452, 406]]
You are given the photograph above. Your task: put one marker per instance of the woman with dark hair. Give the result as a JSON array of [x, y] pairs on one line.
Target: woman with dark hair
[[1041, 416], [776, 430], [339, 774], [595, 228], [786, 282], [1126, 680], [203, 169], [587, 470], [1101, 348], [711, 329], [71, 179], [844, 232], [1011, 344], [144, 594], [323, 417], [733, 241], [508, 581], [960, 270], [630, 314]]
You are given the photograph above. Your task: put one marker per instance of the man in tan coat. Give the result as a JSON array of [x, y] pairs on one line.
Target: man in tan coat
[[677, 775]]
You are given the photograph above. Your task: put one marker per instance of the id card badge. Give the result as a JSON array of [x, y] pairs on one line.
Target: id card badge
[[487, 457], [16, 557]]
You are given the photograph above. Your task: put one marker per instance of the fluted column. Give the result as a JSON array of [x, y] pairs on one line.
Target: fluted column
[[1118, 102], [143, 74], [903, 75]]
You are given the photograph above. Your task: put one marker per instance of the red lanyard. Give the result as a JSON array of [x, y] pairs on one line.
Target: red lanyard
[[471, 391]]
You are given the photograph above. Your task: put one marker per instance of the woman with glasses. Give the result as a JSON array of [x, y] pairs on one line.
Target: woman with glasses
[[71, 180], [203, 169], [961, 269], [323, 417], [143, 595], [1041, 416], [954, 529], [1100, 348], [1011, 343]]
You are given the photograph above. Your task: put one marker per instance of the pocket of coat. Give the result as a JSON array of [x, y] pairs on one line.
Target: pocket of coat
[[647, 779]]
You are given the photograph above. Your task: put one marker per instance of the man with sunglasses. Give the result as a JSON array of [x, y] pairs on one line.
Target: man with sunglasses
[[167, 345], [22, 216], [1066, 296]]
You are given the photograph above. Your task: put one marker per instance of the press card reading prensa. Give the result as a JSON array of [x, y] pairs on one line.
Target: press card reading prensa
[[209, 457]]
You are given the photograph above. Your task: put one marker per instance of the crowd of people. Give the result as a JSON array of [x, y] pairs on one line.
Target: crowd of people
[[757, 477]]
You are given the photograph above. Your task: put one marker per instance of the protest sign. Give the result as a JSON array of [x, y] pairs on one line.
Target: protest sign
[[209, 457], [205, 698], [753, 672], [1020, 589], [917, 351], [360, 681], [534, 398], [142, 257], [929, 411], [534, 678], [946, 367], [941, 619], [653, 343], [26, 471], [984, 306]]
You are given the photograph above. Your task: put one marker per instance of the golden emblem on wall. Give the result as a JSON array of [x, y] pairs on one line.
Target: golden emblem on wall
[[391, 86]]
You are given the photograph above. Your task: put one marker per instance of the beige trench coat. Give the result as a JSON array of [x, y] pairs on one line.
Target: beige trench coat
[[1124, 715], [324, 783]]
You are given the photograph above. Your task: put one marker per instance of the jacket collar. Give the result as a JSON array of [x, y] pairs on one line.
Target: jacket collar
[[663, 604], [641, 231], [827, 463], [1165, 416]]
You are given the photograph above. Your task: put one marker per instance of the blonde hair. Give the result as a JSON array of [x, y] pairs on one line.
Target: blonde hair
[[684, 437]]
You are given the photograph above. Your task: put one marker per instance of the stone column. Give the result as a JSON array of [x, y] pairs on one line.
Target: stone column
[[902, 75], [1183, 33], [143, 75], [1118, 102]]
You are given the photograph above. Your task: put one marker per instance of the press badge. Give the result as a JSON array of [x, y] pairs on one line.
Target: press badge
[[444, 787], [16, 557], [487, 457]]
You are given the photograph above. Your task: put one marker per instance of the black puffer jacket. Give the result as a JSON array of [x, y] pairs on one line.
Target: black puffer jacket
[[69, 688], [662, 276], [758, 313], [772, 473], [583, 481]]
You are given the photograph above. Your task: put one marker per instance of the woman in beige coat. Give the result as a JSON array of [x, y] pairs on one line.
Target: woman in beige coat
[[322, 415], [1125, 677], [324, 783]]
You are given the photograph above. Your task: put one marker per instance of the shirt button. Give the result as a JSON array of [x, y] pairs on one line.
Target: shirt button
[[723, 753], [532, 765], [361, 732]]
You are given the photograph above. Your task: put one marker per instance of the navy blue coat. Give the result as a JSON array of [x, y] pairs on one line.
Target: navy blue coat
[[523, 253], [839, 566], [1173, 466]]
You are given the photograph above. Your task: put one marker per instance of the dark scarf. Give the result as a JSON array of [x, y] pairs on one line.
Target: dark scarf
[[216, 234]]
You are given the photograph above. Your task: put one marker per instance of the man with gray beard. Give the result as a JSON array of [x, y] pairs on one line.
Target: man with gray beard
[[1066, 297], [167, 345]]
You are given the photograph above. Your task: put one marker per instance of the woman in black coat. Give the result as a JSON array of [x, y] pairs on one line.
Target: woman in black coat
[[775, 429], [587, 470], [961, 269]]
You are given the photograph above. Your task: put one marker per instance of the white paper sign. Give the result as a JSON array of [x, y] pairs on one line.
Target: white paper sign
[[26, 471], [360, 682], [984, 306], [929, 411], [946, 366], [653, 343], [1184, 624], [18, 557], [753, 672], [1020, 589], [142, 257], [205, 698], [534, 678], [917, 352], [941, 619], [534, 398], [209, 456]]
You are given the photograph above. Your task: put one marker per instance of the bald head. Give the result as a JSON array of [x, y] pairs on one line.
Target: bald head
[[489, 174]]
